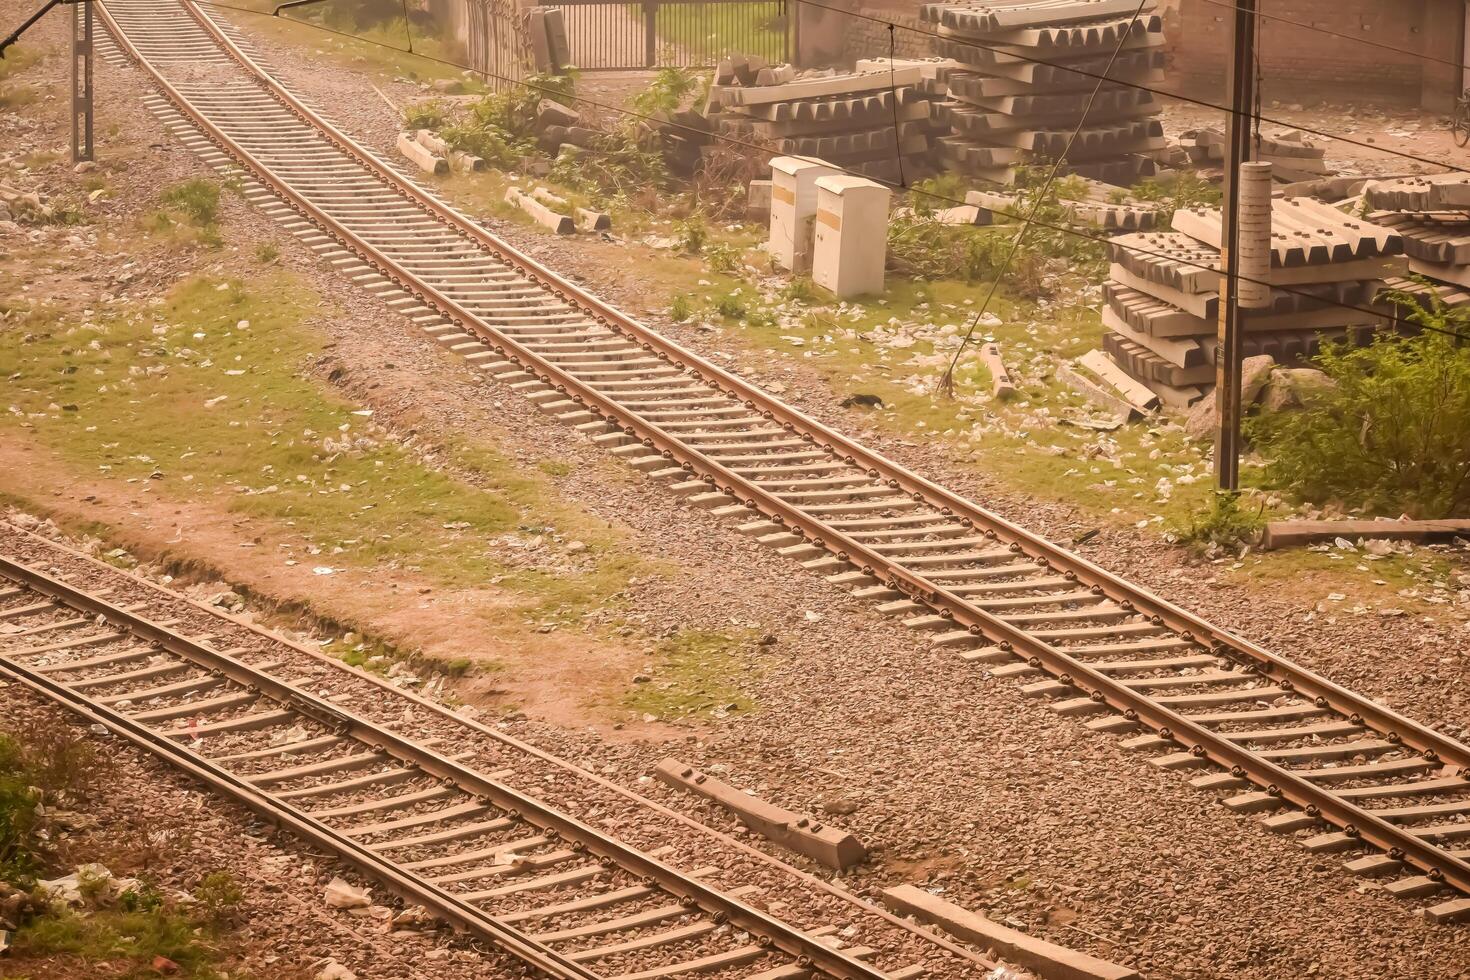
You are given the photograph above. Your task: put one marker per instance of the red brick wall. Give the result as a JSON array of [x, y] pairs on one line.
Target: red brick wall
[[1300, 64]]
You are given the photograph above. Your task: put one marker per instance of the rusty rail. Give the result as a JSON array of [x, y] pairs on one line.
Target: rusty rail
[[1197, 739], [767, 930]]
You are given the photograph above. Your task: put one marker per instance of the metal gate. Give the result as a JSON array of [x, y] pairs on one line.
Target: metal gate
[[605, 34]]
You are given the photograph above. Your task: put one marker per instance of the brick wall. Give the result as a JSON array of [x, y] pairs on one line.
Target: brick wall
[[864, 38], [1300, 64]]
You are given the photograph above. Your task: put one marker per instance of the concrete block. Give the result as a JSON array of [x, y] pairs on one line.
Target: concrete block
[[831, 846], [559, 223], [1048, 959], [591, 220], [758, 200], [421, 157], [851, 239], [793, 209]]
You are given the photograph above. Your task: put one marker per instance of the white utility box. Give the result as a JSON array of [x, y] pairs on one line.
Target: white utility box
[[793, 206], [851, 242]]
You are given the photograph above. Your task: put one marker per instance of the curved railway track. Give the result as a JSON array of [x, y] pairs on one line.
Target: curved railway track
[[250, 716], [1362, 778]]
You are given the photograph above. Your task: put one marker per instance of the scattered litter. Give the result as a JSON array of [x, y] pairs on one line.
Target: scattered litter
[[340, 895]]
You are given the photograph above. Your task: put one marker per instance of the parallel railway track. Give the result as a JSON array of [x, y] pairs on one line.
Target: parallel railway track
[[1393, 792], [287, 734]]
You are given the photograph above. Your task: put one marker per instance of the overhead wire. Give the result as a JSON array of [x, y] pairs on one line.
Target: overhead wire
[[1138, 86], [734, 141]]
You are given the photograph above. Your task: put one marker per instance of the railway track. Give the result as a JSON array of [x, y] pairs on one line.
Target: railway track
[[253, 718], [1343, 772]]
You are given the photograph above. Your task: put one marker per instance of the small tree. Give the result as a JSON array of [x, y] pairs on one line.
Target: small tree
[[1391, 432]]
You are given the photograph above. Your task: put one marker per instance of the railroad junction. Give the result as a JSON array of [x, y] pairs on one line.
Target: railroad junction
[[540, 578]]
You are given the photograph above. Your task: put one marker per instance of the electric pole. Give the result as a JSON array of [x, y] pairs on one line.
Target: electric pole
[[81, 81], [1241, 83], [81, 70]]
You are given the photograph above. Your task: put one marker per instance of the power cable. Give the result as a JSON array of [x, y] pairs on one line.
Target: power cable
[[1029, 59], [946, 380], [734, 141], [1137, 86], [893, 95]]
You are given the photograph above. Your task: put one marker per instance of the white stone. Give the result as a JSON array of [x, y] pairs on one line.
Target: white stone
[[340, 895]]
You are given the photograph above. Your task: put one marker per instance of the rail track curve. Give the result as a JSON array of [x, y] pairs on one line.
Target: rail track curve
[[1287, 738]]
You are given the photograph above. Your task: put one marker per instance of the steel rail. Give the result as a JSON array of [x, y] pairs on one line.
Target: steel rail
[[1220, 640], [280, 812], [1199, 740], [510, 741], [766, 930]]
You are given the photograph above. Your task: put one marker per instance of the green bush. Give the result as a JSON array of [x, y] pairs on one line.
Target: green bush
[[196, 199], [1184, 189], [801, 291], [667, 92], [219, 894], [1391, 433], [692, 233], [41, 765], [425, 115], [722, 257], [1222, 522], [681, 309], [730, 306]]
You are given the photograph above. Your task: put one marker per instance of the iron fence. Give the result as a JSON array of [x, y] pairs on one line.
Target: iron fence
[[605, 34]]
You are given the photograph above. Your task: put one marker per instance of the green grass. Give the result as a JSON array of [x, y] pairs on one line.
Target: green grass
[[127, 941], [378, 51], [209, 398], [707, 34], [14, 94], [697, 674]]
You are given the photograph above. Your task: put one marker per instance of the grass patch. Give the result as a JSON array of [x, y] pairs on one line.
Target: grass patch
[[129, 941], [15, 96], [740, 28], [39, 768], [208, 398], [697, 674], [1224, 522], [189, 212]]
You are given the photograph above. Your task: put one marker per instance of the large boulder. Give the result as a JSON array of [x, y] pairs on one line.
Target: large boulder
[[1294, 388], [1203, 420], [1255, 374]]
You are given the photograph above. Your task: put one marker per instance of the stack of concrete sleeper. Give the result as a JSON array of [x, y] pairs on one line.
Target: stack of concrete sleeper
[[1161, 299], [864, 121], [1006, 110]]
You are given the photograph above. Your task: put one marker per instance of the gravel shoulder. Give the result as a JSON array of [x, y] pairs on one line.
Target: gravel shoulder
[[955, 780]]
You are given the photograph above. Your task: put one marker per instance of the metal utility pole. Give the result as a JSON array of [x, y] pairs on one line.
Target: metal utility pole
[[81, 81], [1241, 83]]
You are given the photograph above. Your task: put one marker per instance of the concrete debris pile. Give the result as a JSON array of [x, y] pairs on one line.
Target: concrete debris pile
[[1291, 157], [1161, 300], [1085, 201], [1432, 215], [1005, 108], [558, 125], [863, 121]]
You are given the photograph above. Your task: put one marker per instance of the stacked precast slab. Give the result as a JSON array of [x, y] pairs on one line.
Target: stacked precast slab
[[1323, 278], [1025, 73]]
